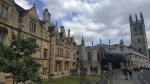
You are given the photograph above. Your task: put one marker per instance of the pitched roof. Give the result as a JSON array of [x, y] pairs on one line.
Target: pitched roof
[[41, 22], [20, 10]]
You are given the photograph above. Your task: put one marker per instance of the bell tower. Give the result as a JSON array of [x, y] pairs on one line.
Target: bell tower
[[138, 34]]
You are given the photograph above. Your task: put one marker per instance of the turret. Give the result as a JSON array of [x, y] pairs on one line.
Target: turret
[[136, 18], [142, 19], [69, 33], [100, 41], [62, 29], [130, 19], [46, 16], [82, 47], [82, 42]]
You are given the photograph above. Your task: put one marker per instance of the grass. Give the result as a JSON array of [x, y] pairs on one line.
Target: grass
[[71, 79]]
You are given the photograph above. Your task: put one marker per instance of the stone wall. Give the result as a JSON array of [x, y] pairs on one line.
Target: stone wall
[[109, 77]]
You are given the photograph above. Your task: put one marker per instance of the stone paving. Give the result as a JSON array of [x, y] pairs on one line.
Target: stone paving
[[121, 80]]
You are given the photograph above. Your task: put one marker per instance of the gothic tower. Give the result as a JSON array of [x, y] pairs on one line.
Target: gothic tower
[[82, 47], [46, 19], [138, 34]]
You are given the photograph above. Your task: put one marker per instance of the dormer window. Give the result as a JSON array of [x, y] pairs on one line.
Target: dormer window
[[32, 26], [3, 11]]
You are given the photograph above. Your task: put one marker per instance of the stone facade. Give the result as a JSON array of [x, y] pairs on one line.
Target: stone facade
[[136, 54], [57, 53]]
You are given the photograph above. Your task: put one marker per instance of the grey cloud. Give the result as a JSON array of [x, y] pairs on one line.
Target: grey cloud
[[92, 14]]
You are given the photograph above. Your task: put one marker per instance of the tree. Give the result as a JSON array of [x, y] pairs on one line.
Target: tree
[[81, 64], [114, 58], [17, 59]]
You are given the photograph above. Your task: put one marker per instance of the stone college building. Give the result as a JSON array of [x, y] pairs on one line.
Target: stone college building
[[136, 54], [57, 52]]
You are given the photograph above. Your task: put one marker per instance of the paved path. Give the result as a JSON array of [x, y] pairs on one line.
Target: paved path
[[121, 79]]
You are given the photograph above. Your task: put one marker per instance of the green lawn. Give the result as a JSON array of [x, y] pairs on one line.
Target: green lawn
[[71, 79]]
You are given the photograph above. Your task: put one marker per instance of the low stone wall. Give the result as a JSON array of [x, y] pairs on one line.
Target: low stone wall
[[108, 77]]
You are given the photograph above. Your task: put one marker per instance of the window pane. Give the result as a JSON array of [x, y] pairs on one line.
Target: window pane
[[34, 27], [2, 10], [5, 13], [45, 53], [30, 26], [2, 37]]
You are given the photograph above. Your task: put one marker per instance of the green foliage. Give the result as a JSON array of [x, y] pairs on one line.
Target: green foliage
[[81, 63], [115, 59], [17, 59]]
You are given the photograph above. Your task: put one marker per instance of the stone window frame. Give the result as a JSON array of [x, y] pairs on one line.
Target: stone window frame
[[32, 25], [100, 53], [44, 71], [61, 52], [2, 36], [3, 10], [74, 56], [89, 56], [3, 33], [57, 51], [67, 54], [45, 53]]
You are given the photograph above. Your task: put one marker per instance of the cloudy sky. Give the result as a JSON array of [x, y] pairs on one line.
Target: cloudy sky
[[94, 19]]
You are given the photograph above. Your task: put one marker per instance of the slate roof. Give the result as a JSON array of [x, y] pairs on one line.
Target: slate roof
[[41, 22], [21, 10]]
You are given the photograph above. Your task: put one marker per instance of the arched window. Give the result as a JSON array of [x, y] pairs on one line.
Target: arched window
[[2, 36], [89, 56], [57, 51], [100, 54]]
